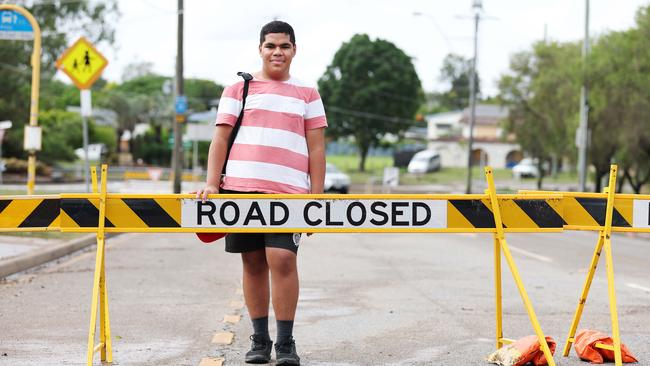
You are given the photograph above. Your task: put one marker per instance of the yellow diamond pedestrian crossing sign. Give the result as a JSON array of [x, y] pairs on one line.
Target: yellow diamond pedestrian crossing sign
[[82, 63]]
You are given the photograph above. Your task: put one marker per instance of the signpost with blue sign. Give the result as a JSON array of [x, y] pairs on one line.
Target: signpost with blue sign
[[181, 104], [15, 26]]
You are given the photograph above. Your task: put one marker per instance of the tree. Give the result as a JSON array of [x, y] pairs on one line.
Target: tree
[[370, 89], [542, 92], [61, 135], [201, 92], [57, 20], [457, 71], [621, 100]]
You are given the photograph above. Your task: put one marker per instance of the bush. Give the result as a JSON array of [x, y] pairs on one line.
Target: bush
[[19, 166], [152, 149], [62, 133]]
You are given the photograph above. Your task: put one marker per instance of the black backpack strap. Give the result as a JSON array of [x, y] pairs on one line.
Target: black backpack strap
[[247, 78]]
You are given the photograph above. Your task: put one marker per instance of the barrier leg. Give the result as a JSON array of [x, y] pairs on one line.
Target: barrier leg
[[616, 336], [93, 177], [497, 294], [604, 242], [99, 287], [583, 296], [500, 237]]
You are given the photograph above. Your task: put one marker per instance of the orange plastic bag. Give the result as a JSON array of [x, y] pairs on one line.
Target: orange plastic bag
[[585, 346], [521, 352]]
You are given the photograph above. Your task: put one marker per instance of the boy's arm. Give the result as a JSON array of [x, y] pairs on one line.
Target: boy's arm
[[216, 158], [316, 148]]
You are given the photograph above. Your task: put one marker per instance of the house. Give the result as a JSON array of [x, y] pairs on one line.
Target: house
[[448, 133]]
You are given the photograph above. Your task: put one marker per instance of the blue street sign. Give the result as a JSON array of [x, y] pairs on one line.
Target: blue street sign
[[181, 104], [14, 25]]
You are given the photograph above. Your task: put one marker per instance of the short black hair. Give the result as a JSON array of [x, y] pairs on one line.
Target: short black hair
[[278, 26]]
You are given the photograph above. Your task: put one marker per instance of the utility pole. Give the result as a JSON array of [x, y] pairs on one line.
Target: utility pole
[[582, 135], [177, 154], [478, 7]]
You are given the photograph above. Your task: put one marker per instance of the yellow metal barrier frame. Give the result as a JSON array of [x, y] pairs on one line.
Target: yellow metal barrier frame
[[500, 244], [99, 295], [604, 242]]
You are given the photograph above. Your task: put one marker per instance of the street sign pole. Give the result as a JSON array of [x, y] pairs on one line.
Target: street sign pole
[[22, 32], [86, 111], [177, 154], [84, 65]]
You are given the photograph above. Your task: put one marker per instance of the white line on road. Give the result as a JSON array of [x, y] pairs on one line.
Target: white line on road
[[637, 287], [531, 254]]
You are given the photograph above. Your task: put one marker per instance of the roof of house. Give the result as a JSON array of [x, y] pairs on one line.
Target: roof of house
[[486, 114]]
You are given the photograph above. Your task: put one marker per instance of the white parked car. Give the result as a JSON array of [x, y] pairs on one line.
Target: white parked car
[[526, 168], [336, 180], [95, 152], [424, 161]]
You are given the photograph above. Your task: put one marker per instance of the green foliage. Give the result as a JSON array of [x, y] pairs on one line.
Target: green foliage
[[153, 148], [103, 134], [57, 20], [62, 134], [370, 89], [542, 91], [457, 71], [200, 92]]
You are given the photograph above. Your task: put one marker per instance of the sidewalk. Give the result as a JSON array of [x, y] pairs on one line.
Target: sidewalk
[[19, 253]]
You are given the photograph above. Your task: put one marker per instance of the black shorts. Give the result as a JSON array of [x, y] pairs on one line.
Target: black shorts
[[248, 242]]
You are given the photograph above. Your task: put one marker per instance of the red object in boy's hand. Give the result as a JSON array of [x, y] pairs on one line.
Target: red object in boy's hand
[[208, 238]]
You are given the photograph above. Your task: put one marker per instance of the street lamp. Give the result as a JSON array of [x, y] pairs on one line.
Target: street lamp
[[4, 125], [477, 6]]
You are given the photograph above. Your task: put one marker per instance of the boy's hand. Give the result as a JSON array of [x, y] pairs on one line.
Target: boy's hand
[[203, 193]]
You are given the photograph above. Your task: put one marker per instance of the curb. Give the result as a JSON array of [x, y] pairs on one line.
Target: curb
[[38, 257]]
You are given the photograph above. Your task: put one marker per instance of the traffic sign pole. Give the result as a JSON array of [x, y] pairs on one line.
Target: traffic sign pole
[[36, 77], [84, 65]]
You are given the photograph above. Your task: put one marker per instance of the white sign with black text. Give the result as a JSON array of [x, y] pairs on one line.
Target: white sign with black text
[[641, 214], [303, 213]]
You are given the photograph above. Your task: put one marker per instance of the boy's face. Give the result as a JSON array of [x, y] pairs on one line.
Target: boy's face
[[276, 52]]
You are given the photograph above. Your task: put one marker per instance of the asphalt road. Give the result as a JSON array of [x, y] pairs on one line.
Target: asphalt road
[[374, 299]]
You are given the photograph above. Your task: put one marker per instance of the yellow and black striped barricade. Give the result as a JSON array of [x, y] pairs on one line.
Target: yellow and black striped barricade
[[102, 212], [29, 213], [606, 213]]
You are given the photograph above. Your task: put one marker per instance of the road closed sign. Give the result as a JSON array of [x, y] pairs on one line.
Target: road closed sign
[[392, 215]]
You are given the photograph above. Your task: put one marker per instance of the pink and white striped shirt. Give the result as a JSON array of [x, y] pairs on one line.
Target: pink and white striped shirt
[[270, 151]]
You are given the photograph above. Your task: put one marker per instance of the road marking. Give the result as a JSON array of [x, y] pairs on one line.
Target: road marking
[[637, 287], [223, 338], [233, 319], [531, 254], [211, 361]]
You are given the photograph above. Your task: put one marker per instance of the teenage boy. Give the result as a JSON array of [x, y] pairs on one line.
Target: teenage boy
[[280, 148]]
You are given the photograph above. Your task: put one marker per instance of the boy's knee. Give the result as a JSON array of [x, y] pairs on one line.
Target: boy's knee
[[283, 263], [255, 262]]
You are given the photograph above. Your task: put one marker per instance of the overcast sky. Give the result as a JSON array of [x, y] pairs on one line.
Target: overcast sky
[[221, 37]]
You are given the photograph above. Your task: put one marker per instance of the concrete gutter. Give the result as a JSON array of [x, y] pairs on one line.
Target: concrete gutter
[[40, 256]]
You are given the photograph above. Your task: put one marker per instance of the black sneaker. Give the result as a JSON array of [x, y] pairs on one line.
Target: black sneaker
[[285, 352], [260, 350]]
